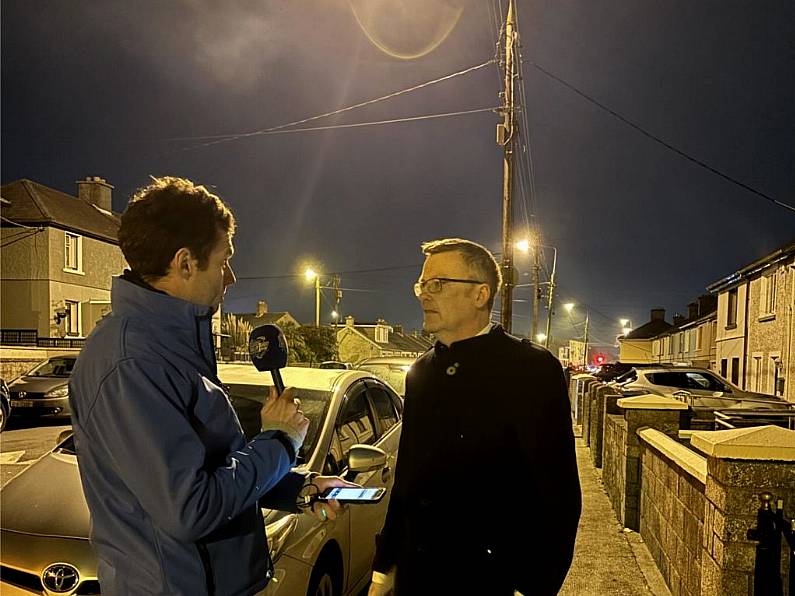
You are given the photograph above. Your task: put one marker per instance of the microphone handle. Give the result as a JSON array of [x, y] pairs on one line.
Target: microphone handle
[[277, 380]]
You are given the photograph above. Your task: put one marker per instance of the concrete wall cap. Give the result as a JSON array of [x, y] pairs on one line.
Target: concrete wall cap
[[650, 401], [766, 443], [583, 376], [691, 462]]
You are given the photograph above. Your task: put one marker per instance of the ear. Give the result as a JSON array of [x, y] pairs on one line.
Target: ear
[[183, 263], [483, 295]]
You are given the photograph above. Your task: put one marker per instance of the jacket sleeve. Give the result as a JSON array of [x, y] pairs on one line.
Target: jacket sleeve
[[387, 543], [283, 495], [554, 482], [139, 420]]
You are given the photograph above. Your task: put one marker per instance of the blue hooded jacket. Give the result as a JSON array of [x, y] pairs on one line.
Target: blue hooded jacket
[[171, 484]]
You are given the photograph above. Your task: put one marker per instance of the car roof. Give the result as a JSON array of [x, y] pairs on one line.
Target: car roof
[[323, 379], [675, 369], [389, 360]]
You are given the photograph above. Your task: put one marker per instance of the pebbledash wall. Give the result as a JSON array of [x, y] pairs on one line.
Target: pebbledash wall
[[693, 505]]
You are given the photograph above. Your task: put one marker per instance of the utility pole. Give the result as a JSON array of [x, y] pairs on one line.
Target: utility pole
[[536, 290], [550, 297], [585, 347], [505, 138], [317, 300]]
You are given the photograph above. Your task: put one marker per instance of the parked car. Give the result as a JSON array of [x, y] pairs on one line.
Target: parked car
[[336, 364], [5, 404], [702, 389], [43, 391], [393, 370], [355, 422]]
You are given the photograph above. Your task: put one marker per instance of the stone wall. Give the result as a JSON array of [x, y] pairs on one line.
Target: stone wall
[[672, 510], [614, 468]]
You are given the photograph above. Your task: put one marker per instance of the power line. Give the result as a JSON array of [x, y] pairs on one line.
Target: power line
[[20, 237], [344, 272], [235, 136], [660, 141], [19, 225]]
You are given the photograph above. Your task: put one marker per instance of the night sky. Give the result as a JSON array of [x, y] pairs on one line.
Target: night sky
[[112, 88]]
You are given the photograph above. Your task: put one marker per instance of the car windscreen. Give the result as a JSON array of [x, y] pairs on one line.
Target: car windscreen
[[394, 374], [247, 401], [54, 367], [686, 380]]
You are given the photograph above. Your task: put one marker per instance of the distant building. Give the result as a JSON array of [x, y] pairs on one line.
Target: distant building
[[264, 316], [59, 253], [755, 334], [690, 341], [637, 345], [358, 341]]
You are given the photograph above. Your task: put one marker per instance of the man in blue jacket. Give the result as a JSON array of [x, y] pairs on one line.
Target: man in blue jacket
[[172, 486]]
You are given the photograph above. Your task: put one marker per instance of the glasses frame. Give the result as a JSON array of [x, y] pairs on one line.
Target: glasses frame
[[420, 286]]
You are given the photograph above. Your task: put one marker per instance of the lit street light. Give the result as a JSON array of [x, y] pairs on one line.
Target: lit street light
[[541, 337]]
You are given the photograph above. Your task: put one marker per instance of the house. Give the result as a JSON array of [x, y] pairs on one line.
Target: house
[[264, 316], [755, 335], [58, 255], [356, 342], [690, 341], [637, 345]]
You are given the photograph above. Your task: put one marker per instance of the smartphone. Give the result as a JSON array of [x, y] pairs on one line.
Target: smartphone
[[353, 495]]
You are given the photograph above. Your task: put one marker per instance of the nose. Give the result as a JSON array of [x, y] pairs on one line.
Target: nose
[[229, 276]]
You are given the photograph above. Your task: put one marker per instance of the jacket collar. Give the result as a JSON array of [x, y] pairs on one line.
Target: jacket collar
[[132, 296], [473, 341]]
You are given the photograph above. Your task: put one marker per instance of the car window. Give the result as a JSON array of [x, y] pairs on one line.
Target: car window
[[384, 408], [704, 381], [394, 374], [627, 377], [247, 401], [670, 379], [355, 424], [54, 367]]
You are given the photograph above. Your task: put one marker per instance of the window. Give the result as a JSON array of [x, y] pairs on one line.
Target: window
[[731, 311], [776, 375], [699, 336], [735, 371], [354, 425], [767, 295], [724, 368], [384, 408], [72, 317], [73, 252]]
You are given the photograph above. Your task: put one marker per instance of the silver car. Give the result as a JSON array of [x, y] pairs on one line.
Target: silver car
[[702, 389], [391, 369], [355, 422], [43, 391]]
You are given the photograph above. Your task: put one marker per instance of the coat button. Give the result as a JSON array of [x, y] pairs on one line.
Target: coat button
[[451, 370]]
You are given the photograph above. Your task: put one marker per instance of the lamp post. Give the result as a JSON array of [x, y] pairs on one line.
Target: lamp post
[[310, 274], [525, 246], [569, 306]]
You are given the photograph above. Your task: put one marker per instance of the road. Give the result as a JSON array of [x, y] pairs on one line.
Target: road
[[23, 442]]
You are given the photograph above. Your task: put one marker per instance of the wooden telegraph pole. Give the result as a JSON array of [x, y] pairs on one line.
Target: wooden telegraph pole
[[506, 137]]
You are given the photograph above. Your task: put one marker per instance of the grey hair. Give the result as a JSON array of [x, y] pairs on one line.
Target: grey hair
[[477, 257]]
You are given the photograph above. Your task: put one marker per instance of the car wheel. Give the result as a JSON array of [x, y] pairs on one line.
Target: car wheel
[[3, 419], [323, 582]]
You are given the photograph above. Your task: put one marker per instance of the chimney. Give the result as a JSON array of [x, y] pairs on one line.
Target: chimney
[[707, 304], [96, 191], [692, 310], [657, 314], [349, 321], [262, 308], [398, 329], [678, 320]]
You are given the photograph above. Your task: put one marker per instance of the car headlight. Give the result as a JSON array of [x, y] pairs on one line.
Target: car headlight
[[62, 391], [278, 532]]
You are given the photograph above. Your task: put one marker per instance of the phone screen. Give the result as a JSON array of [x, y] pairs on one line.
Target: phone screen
[[353, 494]]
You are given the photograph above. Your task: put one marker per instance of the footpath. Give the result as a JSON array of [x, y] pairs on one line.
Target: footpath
[[608, 561]]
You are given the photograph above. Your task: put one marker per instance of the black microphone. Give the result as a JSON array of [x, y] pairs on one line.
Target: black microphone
[[268, 349]]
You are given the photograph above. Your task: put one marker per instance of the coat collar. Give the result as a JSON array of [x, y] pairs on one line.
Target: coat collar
[[128, 297]]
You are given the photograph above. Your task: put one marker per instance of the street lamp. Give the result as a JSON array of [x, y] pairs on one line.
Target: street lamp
[[541, 338], [310, 275], [626, 326], [525, 246]]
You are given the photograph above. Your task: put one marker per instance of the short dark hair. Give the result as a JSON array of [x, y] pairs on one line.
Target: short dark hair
[[169, 214], [477, 257]]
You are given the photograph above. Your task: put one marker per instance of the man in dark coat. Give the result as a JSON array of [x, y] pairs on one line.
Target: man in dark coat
[[486, 497]]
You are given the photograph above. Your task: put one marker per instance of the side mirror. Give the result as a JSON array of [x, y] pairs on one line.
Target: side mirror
[[63, 435], [365, 458]]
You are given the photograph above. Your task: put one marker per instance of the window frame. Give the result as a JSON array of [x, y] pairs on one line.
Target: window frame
[[73, 243]]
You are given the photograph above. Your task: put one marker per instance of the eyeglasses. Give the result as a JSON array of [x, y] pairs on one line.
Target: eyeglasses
[[435, 285]]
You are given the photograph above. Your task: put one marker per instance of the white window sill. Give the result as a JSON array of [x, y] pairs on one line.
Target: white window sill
[[75, 271]]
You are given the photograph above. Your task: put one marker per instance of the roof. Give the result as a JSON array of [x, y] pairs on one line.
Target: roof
[[649, 330], [396, 341], [264, 319], [34, 203], [753, 268]]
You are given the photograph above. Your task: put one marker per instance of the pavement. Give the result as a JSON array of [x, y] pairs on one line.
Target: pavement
[[608, 560]]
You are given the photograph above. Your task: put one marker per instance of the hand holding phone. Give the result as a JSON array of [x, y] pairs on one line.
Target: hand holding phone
[[357, 495]]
